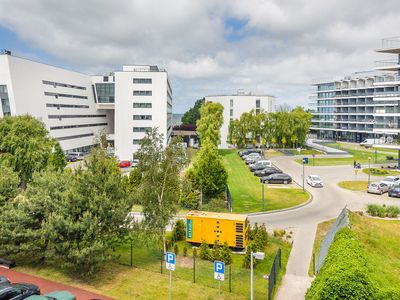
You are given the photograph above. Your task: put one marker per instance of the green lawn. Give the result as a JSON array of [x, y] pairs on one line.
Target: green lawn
[[144, 280], [359, 154], [246, 189], [381, 241], [380, 172], [354, 185]]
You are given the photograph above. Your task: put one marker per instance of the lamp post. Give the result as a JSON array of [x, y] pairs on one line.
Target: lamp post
[[259, 256], [263, 199], [369, 170]]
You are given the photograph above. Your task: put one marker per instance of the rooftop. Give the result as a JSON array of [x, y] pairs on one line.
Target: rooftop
[[216, 215], [390, 45]]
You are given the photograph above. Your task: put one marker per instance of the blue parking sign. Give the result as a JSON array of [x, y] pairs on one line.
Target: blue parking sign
[[305, 160], [170, 261], [219, 270]]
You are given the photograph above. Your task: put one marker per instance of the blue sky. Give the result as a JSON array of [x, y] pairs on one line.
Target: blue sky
[[208, 47]]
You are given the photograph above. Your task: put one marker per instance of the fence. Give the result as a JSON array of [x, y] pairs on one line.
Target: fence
[[194, 269], [341, 221], [273, 275], [228, 198]]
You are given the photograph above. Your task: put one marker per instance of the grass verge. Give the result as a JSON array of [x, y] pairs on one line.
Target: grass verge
[[380, 172], [356, 185], [246, 189]]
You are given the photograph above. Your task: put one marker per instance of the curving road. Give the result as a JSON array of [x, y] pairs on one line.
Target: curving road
[[327, 204]]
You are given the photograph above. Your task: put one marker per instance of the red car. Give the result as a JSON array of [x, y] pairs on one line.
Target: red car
[[125, 164]]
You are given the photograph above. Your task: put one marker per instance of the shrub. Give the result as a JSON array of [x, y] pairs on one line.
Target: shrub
[[226, 254], [392, 211], [185, 251], [216, 251], [383, 211], [204, 251], [179, 231], [176, 249], [279, 232], [344, 274], [389, 157]]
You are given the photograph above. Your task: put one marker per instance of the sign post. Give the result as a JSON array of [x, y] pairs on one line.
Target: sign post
[[305, 162], [313, 159], [219, 274], [170, 264]]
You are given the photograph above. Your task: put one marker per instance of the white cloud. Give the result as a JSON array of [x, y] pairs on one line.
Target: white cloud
[[283, 45]]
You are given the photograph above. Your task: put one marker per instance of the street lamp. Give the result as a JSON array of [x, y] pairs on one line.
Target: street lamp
[[259, 256], [369, 170]]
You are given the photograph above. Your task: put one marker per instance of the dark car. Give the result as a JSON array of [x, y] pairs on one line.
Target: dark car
[[18, 291], [277, 178], [71, 157], [4, 280], [394, 191], [266, 172]]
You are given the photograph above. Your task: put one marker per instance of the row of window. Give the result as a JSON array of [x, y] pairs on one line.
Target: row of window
[[143, 80], [142, 93], [74, 116], [142, 105], [137, 141], [142, 117], [78, 126], [141, 129], [55, 84], [71, 137], [66, 105], [65, 95]]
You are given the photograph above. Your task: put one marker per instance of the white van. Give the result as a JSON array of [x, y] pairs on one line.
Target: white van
[[369, 142]]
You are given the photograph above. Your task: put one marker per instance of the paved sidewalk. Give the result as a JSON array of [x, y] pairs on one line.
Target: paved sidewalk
[[296, 280], [47, 286]]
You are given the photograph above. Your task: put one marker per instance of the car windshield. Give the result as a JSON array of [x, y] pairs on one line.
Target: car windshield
[[314, 177], [389, 179]]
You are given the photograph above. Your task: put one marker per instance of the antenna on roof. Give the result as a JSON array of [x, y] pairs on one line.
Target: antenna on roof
[[6, 52]]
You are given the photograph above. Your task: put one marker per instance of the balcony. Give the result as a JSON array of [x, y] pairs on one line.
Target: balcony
[[387, 79], [390, 45], [387, 65]]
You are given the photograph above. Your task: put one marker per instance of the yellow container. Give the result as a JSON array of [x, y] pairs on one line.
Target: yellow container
[[222, 227]]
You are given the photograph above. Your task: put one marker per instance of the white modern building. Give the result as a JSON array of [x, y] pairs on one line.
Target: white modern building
[[76, 107], [362, 105], [236, 105]]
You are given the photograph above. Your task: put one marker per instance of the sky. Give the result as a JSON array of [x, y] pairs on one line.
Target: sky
[[208, 47]]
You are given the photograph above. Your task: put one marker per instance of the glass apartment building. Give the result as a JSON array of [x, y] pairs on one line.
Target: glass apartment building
[[362, 105]]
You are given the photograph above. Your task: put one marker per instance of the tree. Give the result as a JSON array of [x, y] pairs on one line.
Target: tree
[[24, 145], [57, 157], [9, 185], [159, 188], [209, 171], [193, 114], [210, 122], [179, 231]]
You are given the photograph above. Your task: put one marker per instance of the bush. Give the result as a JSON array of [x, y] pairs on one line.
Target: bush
[[179, 231], [279, 232], [383, 211], [344, 274], [185, 251], [389, 157], [176, 249], [204, 251]]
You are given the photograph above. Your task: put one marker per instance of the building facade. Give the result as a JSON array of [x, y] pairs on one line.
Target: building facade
[[76, 108], [236, 105], [362, 105]]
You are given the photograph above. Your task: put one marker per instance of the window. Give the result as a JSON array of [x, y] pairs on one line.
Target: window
[[141, 129], [56, 84], [137, 141], [142, 80], [258, 104], [231, 112], [142, 105], [57, 95], [105, 92], [63, 138], [105, 78], [142, 117], [142, 93], [74, 116], [5, 103], [231, 102], [66, 105], [77, 126]]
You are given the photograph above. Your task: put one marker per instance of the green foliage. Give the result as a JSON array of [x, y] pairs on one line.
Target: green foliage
[[57, 157], [205, 252], [279, 232], [258, 240], [225, 254], [159, 188], [133, 184], [344, 274], [218, 252], [193, 114], [194, 252], [209, 171], [176, 249], [24, 145], [9, 185], [383, 211], [217, 204], [210, 122], [179, 231], [190, 195], [185, 251]]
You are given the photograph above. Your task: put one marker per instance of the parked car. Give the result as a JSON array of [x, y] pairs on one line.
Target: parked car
[[56, 295], [369, 142], [251, 155], [18, 291], [248, 151], [314, 181], [391, 180], [252, 160], [377, 188], [4, 280], [261, 164], [277, 178], [74, 156], [135, 162], [266, 172], [125, 164], [394, 191]]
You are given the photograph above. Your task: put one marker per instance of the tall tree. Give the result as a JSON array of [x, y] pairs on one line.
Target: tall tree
[[9, 185], [57, 157], [24, 145], [193, 114], [210, 122], [159, 188]]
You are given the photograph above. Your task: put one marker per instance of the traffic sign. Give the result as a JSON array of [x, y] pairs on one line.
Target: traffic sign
[[305, 160], [170, 261], [219, 270], [313, 155]]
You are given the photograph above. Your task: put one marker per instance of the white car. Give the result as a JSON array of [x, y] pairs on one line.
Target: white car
[[314, 181], [251, 155], [390, 180]]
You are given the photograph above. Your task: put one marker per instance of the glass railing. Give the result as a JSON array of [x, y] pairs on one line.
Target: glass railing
[[388, 78]]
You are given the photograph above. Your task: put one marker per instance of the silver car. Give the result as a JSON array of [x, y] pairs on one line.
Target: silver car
[[378, 188]]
